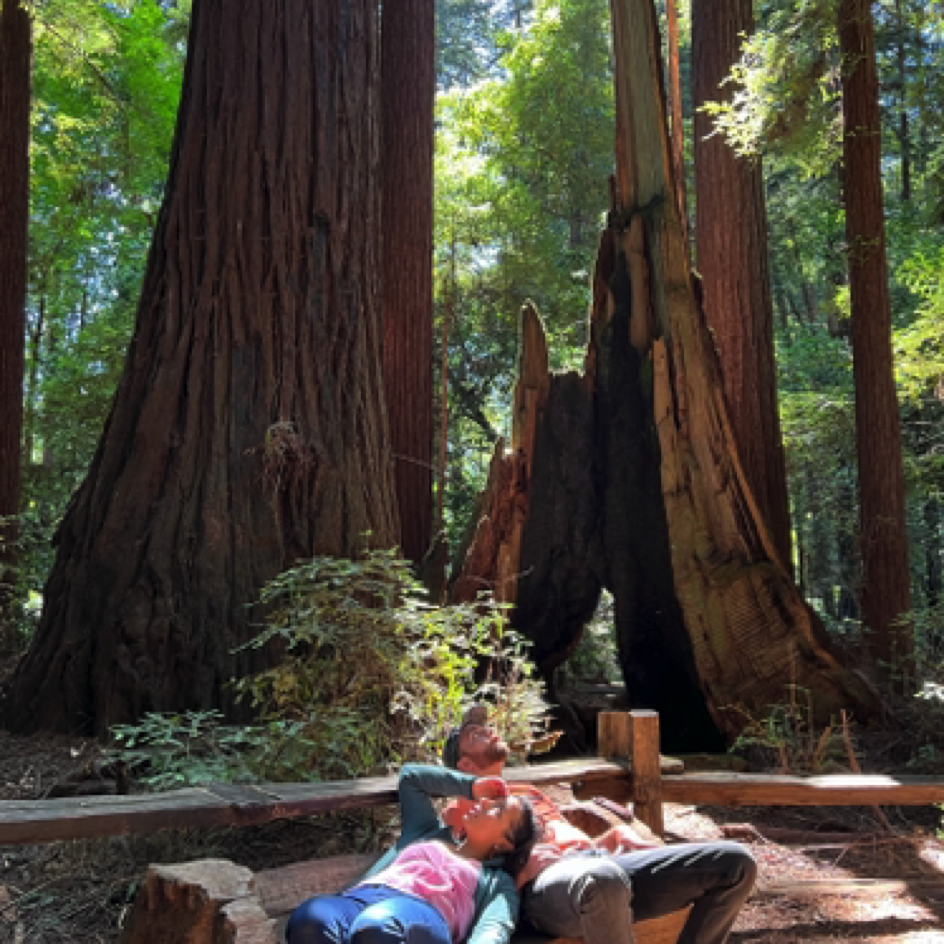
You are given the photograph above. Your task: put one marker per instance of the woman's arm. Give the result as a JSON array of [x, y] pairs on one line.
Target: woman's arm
[[418, 784], [496, 922]]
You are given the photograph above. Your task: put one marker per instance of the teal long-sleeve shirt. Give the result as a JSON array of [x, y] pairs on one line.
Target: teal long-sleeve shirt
[[496, 898]]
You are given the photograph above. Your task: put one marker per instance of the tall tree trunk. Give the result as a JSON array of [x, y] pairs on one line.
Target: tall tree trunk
[[15, 66], [904, 135], [628, 476], [883, 536], [408, 88], [678, 119], [248, 430], [731, 238]]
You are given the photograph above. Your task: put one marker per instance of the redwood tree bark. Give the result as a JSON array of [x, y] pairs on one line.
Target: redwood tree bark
[[678, 117], [883, 536], [248, 428], [408, 90], [731, 239], [15, 65]]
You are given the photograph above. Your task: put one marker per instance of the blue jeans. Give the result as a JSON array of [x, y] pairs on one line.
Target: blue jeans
[[597, 896], [367, 914]]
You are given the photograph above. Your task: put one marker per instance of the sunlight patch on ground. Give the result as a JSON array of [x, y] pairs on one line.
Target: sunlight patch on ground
[[933, 854]]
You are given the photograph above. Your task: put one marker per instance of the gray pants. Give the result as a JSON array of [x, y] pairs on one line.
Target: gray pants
[[597, 896]]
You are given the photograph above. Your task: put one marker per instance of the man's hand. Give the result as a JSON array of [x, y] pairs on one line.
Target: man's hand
[[489, 788], [585, 818], [622, 838], [542, 855]]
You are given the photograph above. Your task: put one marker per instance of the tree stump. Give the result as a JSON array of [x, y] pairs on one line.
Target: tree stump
[[211, 901]]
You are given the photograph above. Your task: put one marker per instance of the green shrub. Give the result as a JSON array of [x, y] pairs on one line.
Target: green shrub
[[371, 676]]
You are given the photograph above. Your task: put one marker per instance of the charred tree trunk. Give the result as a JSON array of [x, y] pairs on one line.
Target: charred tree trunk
[[628, 476], [248, 429], [408, 88], [886, 599], [731, 235], [15, 66]]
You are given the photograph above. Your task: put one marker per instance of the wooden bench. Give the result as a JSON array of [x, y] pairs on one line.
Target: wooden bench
[[215, 901]]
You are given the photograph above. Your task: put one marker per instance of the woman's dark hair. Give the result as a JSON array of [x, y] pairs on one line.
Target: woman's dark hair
[[522, 838]]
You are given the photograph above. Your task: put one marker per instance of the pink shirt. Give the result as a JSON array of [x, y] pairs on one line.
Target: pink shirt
[[430, 871]]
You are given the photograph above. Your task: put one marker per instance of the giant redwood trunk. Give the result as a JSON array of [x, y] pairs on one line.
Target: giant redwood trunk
[[628, 476], [886, 597], [14, 219], [248, 428], [408, 89]]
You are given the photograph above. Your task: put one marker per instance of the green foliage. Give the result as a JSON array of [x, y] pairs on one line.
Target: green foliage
[[166, 751], [919, 347], [523, 156], [106, 80], [786, 89], [789, 734], [373, 675], [595, 659]]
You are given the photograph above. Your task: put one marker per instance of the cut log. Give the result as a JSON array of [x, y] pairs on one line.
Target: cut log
[[211, 901]]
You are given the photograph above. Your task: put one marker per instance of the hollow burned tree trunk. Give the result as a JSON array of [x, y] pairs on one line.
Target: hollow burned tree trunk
[[628, 476], [248, 429]]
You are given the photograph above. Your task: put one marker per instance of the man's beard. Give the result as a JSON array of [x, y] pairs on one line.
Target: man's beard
[[494, 753]]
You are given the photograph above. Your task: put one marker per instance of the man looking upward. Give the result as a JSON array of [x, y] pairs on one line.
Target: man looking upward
[[575, 886]]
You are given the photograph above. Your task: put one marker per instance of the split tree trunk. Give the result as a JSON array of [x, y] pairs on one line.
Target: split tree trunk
[[248, 429], [628, 475]]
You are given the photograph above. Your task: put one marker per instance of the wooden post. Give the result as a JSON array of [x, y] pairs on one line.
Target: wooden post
[[634, 736], [647, 769], [613, 735]]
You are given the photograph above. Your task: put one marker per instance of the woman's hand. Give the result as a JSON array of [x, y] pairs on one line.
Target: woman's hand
[[489, 788]]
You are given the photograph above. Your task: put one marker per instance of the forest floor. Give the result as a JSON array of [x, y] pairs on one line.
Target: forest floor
[[80, 891]]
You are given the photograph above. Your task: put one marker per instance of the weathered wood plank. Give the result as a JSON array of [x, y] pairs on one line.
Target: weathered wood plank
[[37, 821], [733, 789]]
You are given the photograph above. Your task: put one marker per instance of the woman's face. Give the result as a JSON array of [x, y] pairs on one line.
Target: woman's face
[[490, 822]]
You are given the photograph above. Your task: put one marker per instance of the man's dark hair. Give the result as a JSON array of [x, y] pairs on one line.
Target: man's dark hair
[[522, 838], [476, 714]]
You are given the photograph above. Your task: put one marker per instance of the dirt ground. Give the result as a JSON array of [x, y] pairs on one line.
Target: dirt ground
[[81, 891]]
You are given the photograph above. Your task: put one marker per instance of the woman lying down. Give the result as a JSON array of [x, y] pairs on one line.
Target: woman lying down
[[439, 884]]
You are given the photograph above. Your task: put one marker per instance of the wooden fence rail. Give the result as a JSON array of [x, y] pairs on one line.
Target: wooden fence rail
[[648, 779]]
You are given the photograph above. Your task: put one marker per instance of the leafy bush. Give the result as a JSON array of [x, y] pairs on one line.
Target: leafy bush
[[371, 676], [788, 738], [189, 748]]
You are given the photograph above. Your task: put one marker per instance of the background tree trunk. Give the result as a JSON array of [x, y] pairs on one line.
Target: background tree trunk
[[15, 57], [407, 95], [883, 534], [731, 238], [248, 429]]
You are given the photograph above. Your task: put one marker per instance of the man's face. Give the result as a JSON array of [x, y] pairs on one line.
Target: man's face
[[482, 746]]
